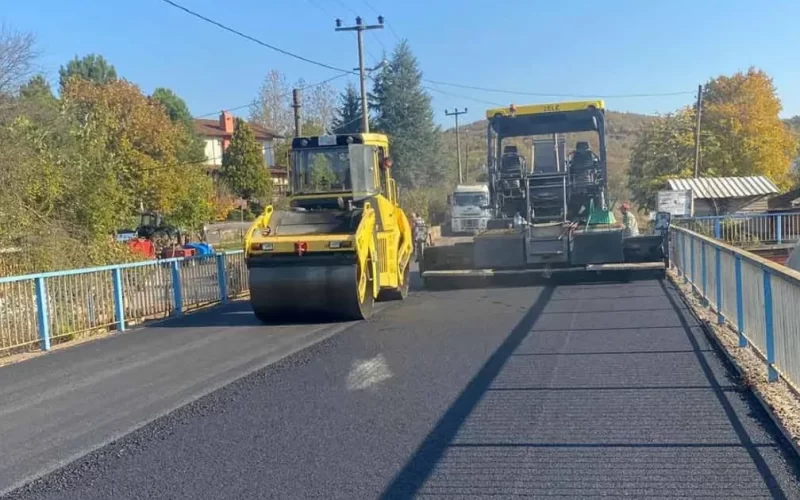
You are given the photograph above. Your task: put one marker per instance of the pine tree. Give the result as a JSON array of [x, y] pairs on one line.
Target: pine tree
[[92, 67], [348, 119], [243, 168], [404, 112]]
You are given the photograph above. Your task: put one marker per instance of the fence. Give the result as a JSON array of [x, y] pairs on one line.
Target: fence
[[42, 308], [757, 297], [747, 229]]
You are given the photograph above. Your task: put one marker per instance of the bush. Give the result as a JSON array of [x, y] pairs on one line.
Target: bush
[[429, 203]]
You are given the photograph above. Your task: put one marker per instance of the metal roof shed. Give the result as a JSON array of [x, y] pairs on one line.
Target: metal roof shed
[[727, 195]]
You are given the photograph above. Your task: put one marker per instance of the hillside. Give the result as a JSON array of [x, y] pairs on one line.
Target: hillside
[[621, 130]]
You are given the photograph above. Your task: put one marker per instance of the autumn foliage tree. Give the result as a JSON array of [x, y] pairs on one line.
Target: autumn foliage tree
[[741, 135], [741, 113], [139, 146], [78, 166]]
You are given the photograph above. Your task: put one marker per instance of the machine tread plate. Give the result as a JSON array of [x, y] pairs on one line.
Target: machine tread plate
[[476, 273], [627, 266]]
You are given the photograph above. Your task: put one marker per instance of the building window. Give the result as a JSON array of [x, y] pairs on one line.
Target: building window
[[269, 154]]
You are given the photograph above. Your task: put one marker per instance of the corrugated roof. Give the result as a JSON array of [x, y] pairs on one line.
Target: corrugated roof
[[725, 187]]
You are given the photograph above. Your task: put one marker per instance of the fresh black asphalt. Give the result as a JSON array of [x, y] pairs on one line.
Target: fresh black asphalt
[[569, 391]]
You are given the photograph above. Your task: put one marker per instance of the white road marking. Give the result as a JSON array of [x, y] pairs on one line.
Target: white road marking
[[366, 373]]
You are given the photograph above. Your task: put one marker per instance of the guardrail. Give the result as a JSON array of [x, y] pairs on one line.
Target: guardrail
[[758, 298], [747, 229], [42, 308]]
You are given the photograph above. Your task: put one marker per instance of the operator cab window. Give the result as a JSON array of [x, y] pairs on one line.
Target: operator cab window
[[322, 170]]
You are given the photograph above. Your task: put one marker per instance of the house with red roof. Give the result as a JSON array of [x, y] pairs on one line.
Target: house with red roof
[[217, 135]]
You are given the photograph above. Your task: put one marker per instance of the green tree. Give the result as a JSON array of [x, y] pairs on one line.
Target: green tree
[[321, 175], [92, 67], [404, 112], [193, 150], [176, 108], [348, 116], [243, 169], [36, 88], [664, 149]]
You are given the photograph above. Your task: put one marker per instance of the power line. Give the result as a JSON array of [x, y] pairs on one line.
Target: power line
[[253, 39], [320, 7], [436, 82], [346, 7], [286, 94], [482, 101], [540, 94], [352, 11], [370, 7]]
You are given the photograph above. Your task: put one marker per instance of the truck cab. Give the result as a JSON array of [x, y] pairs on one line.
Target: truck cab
[[470, 208]]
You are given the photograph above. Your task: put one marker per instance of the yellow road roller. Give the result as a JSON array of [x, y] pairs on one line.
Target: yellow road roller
[[342, 244]]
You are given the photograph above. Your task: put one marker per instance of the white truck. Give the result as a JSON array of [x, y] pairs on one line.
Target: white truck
[[469, 208]]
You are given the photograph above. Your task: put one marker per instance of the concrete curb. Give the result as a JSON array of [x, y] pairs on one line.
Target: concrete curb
[[709, 332]]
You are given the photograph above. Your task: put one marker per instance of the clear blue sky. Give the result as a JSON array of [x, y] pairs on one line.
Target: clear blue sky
[[573, 46]]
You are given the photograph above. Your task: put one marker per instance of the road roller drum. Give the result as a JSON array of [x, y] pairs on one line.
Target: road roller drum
[[311, 292]]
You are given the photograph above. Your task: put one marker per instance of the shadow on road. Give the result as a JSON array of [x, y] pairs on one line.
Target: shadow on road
[[420, 466], [756, 411]]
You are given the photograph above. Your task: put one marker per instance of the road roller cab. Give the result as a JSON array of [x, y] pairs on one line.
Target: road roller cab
[[343, 243]]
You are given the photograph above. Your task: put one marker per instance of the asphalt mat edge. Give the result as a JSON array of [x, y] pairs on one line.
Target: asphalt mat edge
[[92, 465], [779, 432]]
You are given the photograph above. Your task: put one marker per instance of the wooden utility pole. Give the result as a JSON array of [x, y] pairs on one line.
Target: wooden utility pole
[[455, 113], [360, 28], [296, 100], [699, 113]]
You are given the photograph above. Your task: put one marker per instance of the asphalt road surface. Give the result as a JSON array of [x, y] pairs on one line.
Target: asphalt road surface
[[573, 391]]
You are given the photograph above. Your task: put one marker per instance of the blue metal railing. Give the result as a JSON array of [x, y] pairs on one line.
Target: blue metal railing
[[38, 309], [747, 229], [757, 297]]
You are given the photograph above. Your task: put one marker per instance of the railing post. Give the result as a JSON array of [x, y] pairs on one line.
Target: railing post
[[772, 374], [42, 313], [222, 278], [683, 258], [739, 302], [717, 229], [119, 299], [177, 287], [718, 273], [779, 228], [704, 270], [692, 259]]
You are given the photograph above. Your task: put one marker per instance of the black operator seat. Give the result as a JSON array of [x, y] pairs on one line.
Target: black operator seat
[[582, 158], [512, 162]]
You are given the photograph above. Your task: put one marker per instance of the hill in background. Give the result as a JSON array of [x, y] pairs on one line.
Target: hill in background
[[621, 132]]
